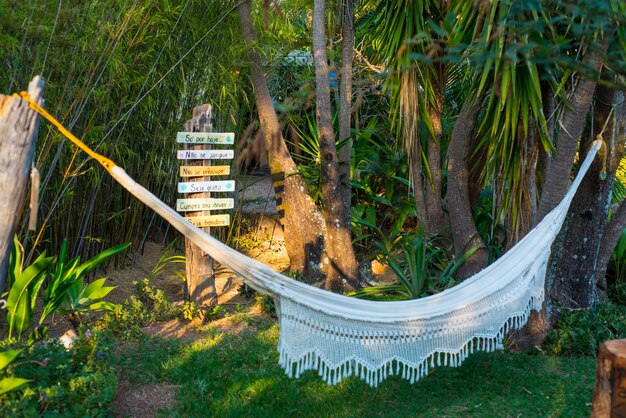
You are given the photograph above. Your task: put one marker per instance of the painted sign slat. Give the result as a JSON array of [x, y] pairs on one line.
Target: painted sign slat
[[200, 171], [192, 205], [210, 221], [226, 138], [209, 154], [206, 186]]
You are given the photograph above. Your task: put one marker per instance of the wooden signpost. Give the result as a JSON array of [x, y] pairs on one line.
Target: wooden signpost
[[197, 203]]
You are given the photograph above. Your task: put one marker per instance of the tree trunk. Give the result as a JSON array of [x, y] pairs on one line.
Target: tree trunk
[[464, 231], [412, 145], [615, 226], [345, 107], [571, 127], [436, 219], [302, 222], [343, 271], [571, 276], [609, 397], [18, 130]]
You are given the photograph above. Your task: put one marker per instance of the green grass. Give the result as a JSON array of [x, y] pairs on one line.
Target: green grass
[[237, 375]]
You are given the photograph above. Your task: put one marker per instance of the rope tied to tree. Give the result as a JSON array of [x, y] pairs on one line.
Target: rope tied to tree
[[104, 161]]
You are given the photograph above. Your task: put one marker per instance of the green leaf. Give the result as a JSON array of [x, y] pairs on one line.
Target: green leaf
[[102, 306], [94, 262], [96, 290], [24, 289], [7, 357], [9, 384]]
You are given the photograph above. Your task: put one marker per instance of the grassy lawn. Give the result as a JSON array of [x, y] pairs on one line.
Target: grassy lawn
[[236, 374]]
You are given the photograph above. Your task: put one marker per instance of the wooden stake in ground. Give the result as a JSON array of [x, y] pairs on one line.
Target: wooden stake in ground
[[199, 268], [18, 131], [609, 398]]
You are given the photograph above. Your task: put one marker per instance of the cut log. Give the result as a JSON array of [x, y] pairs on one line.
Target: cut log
[[199, 269], [18, 131], [609, 397]]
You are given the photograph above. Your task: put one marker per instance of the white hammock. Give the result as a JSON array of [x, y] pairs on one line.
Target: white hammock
[[341, 336]]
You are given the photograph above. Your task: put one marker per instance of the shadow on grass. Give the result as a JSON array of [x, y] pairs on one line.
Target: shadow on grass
[[238, 375]]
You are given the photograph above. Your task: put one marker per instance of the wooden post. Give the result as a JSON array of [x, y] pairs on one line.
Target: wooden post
[[199, 267], [609, 397], [18, 131]]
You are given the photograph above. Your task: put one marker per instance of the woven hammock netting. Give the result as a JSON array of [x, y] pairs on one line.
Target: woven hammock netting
[[341, 336]]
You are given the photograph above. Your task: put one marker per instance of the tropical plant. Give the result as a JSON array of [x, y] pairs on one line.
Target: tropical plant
[[491, 231], [618, 259], [418, 265], [67, 288], [25, 284], [8, 384]]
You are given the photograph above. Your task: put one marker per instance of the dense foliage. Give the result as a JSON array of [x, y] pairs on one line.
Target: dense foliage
[[78, 381]]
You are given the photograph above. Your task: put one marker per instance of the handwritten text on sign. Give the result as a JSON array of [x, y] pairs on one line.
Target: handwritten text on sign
[[226, 154], [187, 205], [227, 138], [207, 186], [208, 221], [201, 171]]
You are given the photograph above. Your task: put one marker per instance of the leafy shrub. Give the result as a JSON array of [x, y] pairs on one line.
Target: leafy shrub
[[580, 332], [617, 293], [65, 382], [266, 304], [149, 306], [64, 291], [190, 311], [11, 383], [215, 312], [421, 267]]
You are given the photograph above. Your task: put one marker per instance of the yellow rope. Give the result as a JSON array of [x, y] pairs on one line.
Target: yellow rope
[[104, 161]]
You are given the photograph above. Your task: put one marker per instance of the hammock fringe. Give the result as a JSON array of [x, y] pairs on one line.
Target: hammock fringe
[[373, 375]]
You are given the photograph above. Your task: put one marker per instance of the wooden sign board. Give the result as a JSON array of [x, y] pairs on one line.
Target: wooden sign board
[[209, 154], [210, 221], [226, 138], [201, 171], [206, 186], [193, 205]]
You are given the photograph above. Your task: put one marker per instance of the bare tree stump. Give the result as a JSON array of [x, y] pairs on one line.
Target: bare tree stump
[[18, 131], [199, 268], [609, 397]]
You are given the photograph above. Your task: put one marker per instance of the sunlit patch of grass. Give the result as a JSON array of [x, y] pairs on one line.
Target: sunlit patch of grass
[[226, 374]]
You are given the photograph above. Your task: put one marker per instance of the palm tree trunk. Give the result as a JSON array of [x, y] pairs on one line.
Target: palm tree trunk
[[409, 105], [302, 222], [345, 106], [343, 272], [464, 233], [571, 127], [434, 209]]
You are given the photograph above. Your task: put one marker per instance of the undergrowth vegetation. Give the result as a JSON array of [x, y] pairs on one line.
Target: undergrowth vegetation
[[78, 381]]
